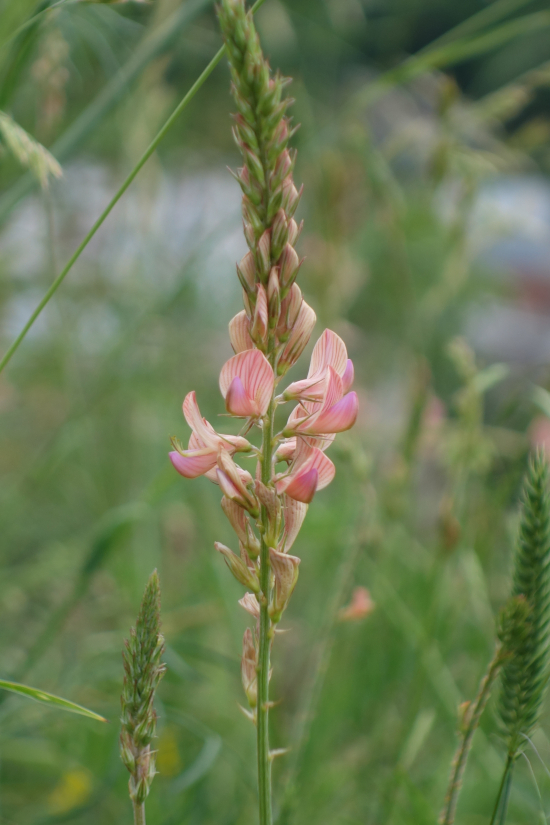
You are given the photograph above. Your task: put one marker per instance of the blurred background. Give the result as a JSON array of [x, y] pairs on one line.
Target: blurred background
[[424, 150]]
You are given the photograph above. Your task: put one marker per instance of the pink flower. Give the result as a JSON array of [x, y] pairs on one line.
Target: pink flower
[[246, 383], [329, 351], [298, 320], [334, 414], [360, 607], [239, 332], [204, 444], [294, 513], [310, 471]]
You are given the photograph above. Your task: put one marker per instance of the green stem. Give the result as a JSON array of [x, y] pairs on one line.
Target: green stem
[[139, 813], [503, 792], [266, 635], [108, 209], [458, 767]]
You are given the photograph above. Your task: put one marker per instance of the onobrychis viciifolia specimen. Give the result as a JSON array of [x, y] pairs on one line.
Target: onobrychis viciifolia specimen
[[266, 507]]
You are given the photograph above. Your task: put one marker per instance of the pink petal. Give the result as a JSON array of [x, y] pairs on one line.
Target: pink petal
[[329, 350], [303, 486], [300, 335], [256, 374], [237, 401], [197, 423], [333, 389], [336, 419], [239, 332], [286, 450], [324, 466], [294, 513], [194, 464], [306, 388], [259, 328], [348, 376]]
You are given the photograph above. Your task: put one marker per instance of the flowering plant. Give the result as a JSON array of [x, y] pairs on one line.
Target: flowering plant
[[266, 508]]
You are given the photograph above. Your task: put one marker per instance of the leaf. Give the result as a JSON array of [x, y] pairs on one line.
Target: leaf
[[49, 699], [28, 151]]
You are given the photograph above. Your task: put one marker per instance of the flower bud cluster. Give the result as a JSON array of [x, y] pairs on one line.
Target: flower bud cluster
[[266, 509], [143, 671]]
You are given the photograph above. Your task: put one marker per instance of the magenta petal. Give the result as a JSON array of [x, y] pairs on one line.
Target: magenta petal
[[336, 419], [348, 376], [237, 401], [303, 486], [192, 466]]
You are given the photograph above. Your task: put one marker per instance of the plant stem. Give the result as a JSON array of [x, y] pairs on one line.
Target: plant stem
[[108, 209], [139, 813], [266, 635], [447, 816], [503, 792]]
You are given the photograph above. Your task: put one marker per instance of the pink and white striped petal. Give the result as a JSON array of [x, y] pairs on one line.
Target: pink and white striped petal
[[336, 419], [348, 376], [198, 424], [239, 332], [301, 486], [294, 514], [193, 463], [237, 401], [256, 375], [329, 351]]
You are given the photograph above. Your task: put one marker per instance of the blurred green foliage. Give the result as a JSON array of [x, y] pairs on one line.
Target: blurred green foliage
[[394, 152]]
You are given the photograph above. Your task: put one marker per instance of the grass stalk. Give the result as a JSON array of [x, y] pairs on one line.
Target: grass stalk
[[139, 813], [472, 719], [501, 804], [112, 203]]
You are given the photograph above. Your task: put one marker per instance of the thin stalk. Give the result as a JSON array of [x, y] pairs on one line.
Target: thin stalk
[[108, 209], [266, 636], [503, 793], [139, 813], [447, 816]]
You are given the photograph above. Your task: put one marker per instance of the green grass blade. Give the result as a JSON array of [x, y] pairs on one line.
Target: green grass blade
[[49, 699], [108, 209], [149, 48]]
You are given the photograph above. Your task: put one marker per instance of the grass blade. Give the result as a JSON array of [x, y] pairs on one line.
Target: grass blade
[[112, 203], [49, 699]]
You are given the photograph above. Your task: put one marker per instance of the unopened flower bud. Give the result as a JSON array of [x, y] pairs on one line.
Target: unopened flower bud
[[259, 329], [294, 231], [252, 543], [251, 213], [264, 255], [249, 663], [240, 570], [251, 604], [239, 332], [254, 164], [291, 197], [290, 310], [236, 516], [233, 482], [279, 233], [289, 264], [283, 166], [249, 234], [298, 339], [273, 296], [285, 572], [246, 270]]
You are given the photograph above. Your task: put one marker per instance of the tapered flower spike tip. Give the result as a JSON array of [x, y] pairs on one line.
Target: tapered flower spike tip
[[143, 670], [525, 673]]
